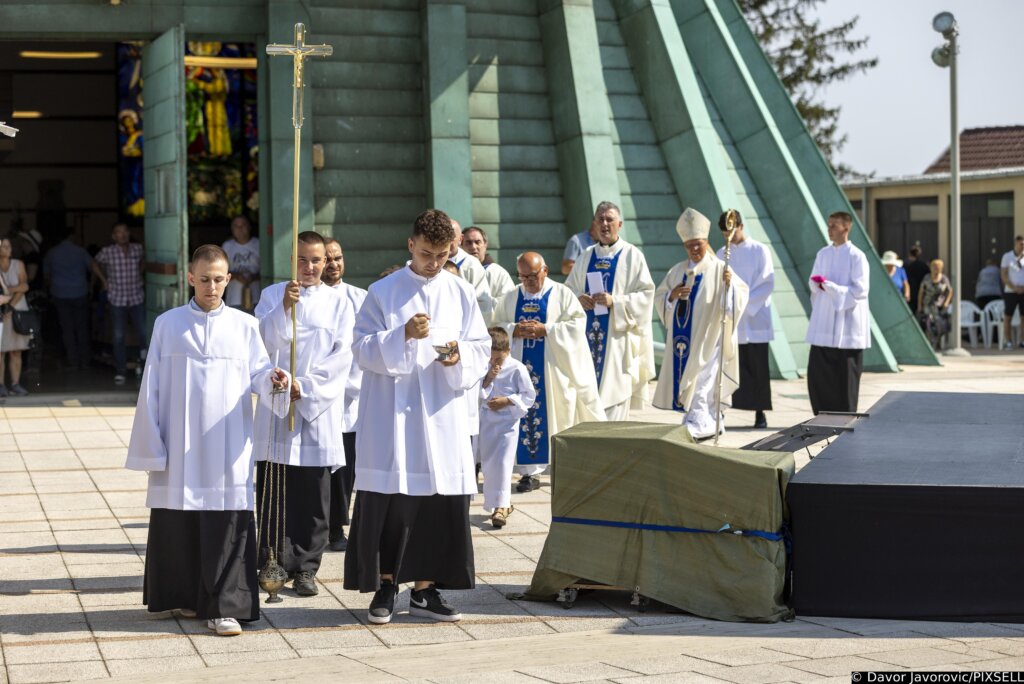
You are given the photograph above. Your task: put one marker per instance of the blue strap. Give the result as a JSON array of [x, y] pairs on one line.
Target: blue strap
[[770, 536]]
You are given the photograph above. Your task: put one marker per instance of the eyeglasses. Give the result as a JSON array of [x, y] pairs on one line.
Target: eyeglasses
[[529, 277]]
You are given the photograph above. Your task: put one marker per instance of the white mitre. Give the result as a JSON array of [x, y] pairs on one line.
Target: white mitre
[[693, 225]]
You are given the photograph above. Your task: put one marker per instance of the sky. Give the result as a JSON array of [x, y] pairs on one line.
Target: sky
[[896, 116]]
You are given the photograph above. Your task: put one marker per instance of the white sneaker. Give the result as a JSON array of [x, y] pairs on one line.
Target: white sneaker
[[1008, 345], [224, 626]]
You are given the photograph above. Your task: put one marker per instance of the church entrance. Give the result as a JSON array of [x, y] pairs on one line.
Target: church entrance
[[159, 135]]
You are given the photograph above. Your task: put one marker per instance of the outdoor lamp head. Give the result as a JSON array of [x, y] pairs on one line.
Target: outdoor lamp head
[[944, 23], [940, 55]]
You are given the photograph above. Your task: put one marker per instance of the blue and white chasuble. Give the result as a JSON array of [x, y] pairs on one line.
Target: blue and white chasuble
[[682, 325], [533, 427], [597, 326]]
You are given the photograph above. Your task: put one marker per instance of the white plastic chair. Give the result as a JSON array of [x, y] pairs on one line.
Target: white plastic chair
[[994, 313], [992, 320], [971, 321]]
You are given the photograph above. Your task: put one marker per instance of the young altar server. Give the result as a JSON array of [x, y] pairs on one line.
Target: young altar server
[[615, 288], [315, 448], [840, 326], [692, 301], [548, 328], [752, 262], [506, 395], [422, 344], [193, 432]]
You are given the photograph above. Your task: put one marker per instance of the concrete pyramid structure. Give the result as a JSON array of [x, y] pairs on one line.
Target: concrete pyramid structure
[[519, 116]]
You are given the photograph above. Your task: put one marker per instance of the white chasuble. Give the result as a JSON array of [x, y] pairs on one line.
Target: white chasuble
[[472, 271], [570, 384], [193, 425], [414, 431], [628, 356], [323, 361], [499, 282], [693, 333], [839, 307]]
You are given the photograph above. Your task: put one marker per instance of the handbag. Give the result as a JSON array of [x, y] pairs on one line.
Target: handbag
[[25, 322]]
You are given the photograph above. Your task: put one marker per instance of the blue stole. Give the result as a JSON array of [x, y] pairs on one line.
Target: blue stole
[[458, 264], [597, 326], [533, 427], [682, 322]]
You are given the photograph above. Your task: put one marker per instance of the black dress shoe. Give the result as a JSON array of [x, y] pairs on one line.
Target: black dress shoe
[[760, 422], [527, 483], [339, 544], [305, 583]]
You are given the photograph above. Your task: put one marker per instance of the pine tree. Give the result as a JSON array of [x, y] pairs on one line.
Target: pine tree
[[807, 57]]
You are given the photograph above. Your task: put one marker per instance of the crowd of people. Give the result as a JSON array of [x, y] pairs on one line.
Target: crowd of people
[[441, 371], [97, 297], [929, 293]]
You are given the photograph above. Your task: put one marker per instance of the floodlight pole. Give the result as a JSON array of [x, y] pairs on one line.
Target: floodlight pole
[[950, 33], [954, 200]]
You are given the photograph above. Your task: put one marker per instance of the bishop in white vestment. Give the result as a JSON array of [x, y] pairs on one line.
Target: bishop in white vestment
[[548, 328], [343, 479], [422, 344], [615, 288], [192, 432], [692, 301], [840, 326], [751, 261], [315, 447]]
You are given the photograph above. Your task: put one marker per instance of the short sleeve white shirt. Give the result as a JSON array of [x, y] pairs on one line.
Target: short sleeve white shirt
[[1014, 266]]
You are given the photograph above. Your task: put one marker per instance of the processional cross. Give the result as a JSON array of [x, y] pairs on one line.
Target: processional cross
[[298, 51], [271, 504]]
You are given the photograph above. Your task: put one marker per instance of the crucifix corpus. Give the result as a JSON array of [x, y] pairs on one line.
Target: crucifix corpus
[[298, 51]]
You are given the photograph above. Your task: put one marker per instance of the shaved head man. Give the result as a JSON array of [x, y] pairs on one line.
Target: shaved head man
[[547, 325]]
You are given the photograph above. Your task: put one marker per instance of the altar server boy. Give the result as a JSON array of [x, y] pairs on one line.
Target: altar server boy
[[193, 432], [422, 344], [506, 395]]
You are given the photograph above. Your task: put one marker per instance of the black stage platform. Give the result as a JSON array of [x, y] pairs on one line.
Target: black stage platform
[[916, 513]]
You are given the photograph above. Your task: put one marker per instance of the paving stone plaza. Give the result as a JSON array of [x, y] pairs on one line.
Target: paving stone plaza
[[74, 533]]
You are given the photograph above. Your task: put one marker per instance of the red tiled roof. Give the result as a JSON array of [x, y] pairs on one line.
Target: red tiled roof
[[994, 147]]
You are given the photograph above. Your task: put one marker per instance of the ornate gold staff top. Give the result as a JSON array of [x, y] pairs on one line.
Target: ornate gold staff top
[[298, 52]]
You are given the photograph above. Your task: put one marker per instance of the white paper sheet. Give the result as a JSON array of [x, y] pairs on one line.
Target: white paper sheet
[[595, 283]]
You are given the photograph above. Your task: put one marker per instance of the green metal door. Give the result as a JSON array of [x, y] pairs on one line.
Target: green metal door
[[163, 159]]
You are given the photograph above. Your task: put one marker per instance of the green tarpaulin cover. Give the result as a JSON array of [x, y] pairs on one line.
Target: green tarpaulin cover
[[612, 482]]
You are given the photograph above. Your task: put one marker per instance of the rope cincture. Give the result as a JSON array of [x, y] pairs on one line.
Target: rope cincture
[[724, 529]]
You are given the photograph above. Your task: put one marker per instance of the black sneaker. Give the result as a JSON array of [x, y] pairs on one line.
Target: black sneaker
[[527, 484], [339, 544], [382, 607], [305, 583], [429, 603]]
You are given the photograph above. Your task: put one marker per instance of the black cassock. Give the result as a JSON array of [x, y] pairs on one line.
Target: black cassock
[[413, 538], [204, 561], [342, 481], [307, 495], [755, 390], [833, 378]]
